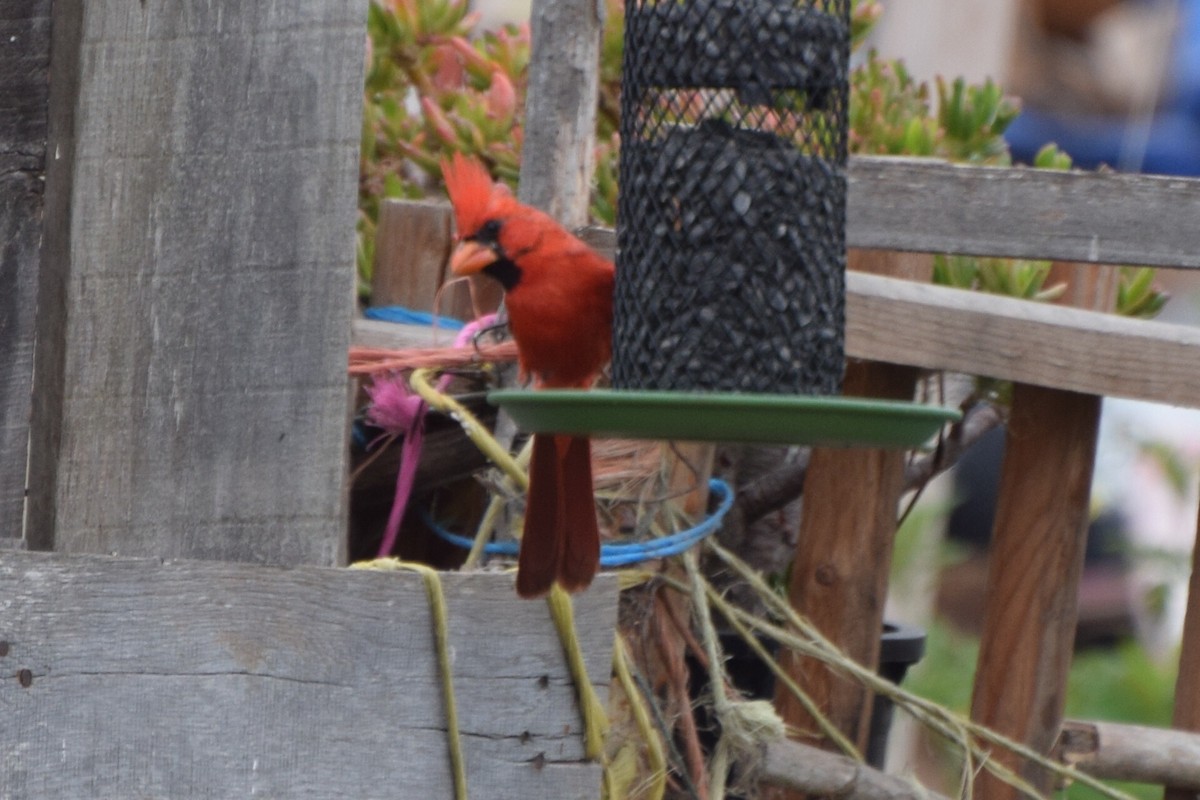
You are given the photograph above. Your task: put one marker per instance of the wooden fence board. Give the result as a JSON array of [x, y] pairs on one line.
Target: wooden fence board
[[930, 206], [1107, 218], [201, 679], [1047, 345], [199, 291], [412, 248], [24, 88]]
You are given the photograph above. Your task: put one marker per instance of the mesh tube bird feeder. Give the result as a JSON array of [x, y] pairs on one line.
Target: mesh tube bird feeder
[[731, 219], [730, 290]]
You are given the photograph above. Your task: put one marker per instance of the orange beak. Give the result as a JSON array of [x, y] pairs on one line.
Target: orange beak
[[470, 257]]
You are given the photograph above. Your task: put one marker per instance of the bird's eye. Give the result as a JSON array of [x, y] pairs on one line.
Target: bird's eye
[[490, 230]]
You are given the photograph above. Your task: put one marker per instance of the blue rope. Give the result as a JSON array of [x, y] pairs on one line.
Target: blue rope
[[409, 316], [619, 555]]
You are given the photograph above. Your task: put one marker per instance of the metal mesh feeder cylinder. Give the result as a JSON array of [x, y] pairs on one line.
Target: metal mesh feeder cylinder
[[731, 222], [730, 289]]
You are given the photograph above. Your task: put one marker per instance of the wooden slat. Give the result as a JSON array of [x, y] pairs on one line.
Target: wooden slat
[[1108, 218], [24, 85], [398, 336], [199, 275], [412, 245], [1065, 348], [201, 679], [1035, 562], [930, 206]]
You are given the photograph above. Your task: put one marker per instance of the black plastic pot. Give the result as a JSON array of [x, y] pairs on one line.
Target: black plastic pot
[[901, 647]]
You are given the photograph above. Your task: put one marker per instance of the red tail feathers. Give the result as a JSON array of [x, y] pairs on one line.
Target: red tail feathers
[[561, 539]]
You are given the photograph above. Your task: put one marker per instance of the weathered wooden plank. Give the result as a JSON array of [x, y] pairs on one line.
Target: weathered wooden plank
[[1035, 560], [840, 571], [397, 336], [200, 679], [1107, 218], [412, 245], [198, 279], [412, 250], [24, 64], [24, 90], [930, 206], [1048, 345], [1034, 566]]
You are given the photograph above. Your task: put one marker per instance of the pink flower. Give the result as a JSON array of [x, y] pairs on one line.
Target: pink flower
[[393, 407]]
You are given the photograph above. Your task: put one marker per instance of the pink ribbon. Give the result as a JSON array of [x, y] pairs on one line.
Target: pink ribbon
[[397, 411]]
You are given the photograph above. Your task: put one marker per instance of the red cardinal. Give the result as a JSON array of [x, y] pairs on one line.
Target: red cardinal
[[558, 293]]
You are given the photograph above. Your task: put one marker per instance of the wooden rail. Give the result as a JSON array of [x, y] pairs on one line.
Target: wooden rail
[[937, 327], [1102, 218], [138, 678], [23, 74]]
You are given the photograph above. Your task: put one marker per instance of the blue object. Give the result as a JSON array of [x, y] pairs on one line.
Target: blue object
[[1171, 142], [1183, 91], [1168, 143], [408, 316], [620, 555]]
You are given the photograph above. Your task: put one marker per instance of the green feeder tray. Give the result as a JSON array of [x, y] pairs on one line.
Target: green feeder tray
[[725, 417]]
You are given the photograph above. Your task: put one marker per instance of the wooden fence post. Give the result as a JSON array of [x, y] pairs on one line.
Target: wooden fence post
[[847, 525], [24, 63], [412, 245], [560, 108], [412, 251], [1034, 567], [1035, 561], [197, 279], [1186, 714]]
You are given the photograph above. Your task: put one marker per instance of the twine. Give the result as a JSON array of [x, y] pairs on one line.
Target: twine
[[441, 644]]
